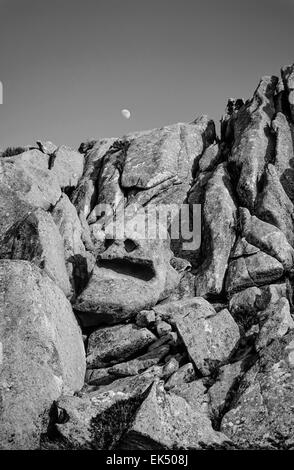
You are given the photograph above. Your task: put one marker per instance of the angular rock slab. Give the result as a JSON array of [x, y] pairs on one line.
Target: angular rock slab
[[42, 352], [79, 263], [274, 205], [253, 146], [108, 346], [162, 154], [267, 238], [85, 195], [219, 216], [96, 420], [254, 270], [167, 421], [37, 239], [25, 183], [67, 165], [288, 79], [263, 416], [209, 338], [274, 322]]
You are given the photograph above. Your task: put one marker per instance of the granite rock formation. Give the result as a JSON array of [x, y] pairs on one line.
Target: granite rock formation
[[137, 339]]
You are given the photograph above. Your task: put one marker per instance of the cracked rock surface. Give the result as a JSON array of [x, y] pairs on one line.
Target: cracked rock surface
[[127, 341]]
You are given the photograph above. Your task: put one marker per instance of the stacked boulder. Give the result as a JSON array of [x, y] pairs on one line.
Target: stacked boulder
[[134, 342]]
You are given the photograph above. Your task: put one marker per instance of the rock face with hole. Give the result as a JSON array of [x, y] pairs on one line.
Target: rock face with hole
[[189, 338], [42, 353], [131, 275]]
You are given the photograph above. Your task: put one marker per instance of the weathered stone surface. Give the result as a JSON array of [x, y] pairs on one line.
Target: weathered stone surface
[[275, 322], [210, 158], [146, 318], [85, 195], [167, 421], [79, 263], [30, 157], [42, 352], [46, 147], [248, 302], [164, 154], [219, 215], [245, 303], [99, 377], [108, 183], [262, 416], [67, 165], [284, 154], [288, 79], [185, 288], [115, 344], [185, 374], [141, 363], [162, 328], [195, 395], [132, 275], [222, 391], [268, 238], [254, 270], [95, 421], [37, 239], [209, 338], [243, 248], [253, 146], [169, 311], [31, 183], [274, 206]]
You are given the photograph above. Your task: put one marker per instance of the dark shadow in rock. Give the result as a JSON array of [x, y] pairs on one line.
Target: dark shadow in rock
[[80, 272], [141, 270]]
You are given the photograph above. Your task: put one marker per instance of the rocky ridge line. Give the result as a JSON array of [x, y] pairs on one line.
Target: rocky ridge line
[[182, 349]]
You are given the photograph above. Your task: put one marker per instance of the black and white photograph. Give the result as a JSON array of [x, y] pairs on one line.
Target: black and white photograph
[[146, 230]]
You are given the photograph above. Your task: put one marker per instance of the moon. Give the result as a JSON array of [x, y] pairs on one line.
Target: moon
[[126, 113]]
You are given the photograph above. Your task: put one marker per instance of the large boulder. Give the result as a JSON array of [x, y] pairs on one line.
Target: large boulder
[[261, 416], [42, 352], [163, 155], [37, 239], [257, 269], [84, 196], [210, 339], [132, 275], [219, 217], [273, 204], [288, 79], [25, 184], [167, 421], [67, 165], [253, 145], [267, 238], [79, 263], [208, 336], [95, 420], [108, 346]]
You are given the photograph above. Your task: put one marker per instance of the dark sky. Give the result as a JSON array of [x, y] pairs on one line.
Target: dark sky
[[69, 66]]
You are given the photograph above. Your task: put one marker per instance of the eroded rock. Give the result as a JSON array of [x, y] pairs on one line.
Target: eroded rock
[[42, 352]]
